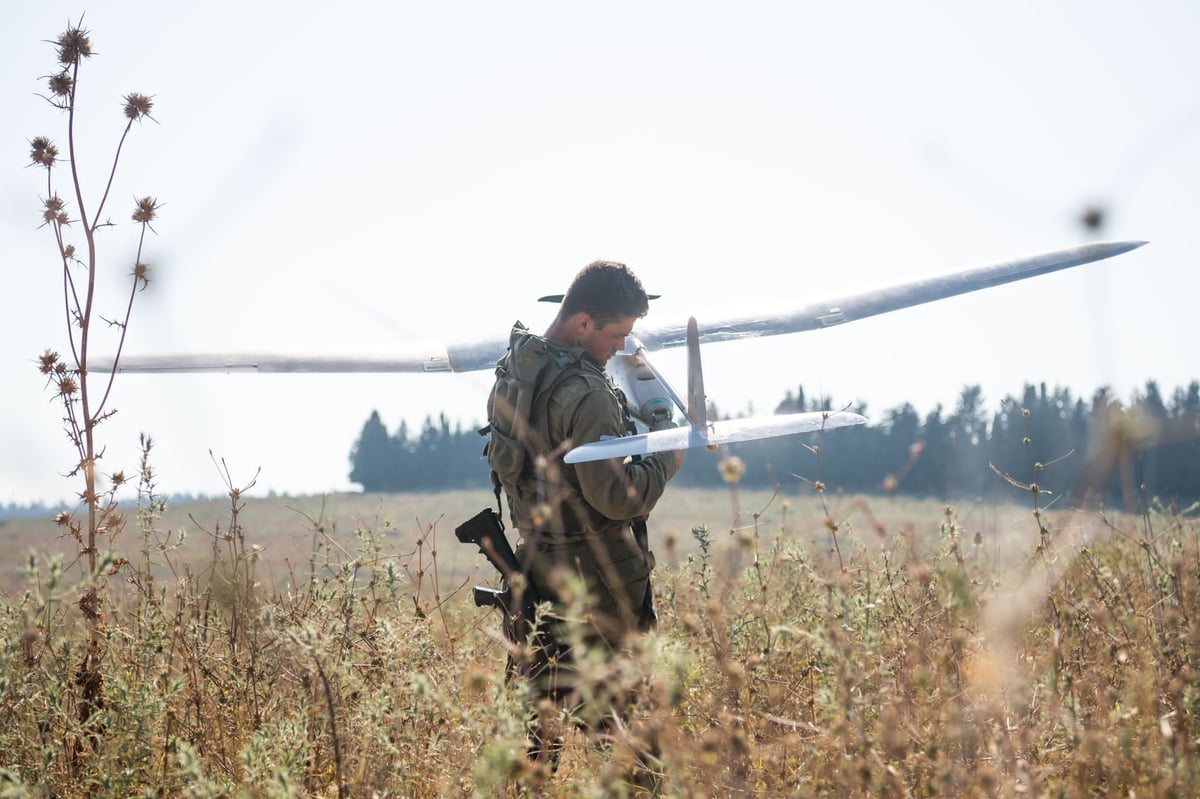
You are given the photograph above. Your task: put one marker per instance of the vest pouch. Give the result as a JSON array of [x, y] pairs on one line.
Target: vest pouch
[[508, 411], [506, 456]]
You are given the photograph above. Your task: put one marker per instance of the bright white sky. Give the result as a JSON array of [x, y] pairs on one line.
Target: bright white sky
[[347, 177]]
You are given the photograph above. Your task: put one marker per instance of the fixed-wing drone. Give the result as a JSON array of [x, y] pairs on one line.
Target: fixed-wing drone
[[632, 371]]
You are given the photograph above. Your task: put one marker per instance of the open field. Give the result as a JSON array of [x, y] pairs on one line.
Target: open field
[[852, 647], [288, 529]]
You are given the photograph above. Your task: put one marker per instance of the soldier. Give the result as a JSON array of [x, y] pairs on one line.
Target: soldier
[[586, 520]]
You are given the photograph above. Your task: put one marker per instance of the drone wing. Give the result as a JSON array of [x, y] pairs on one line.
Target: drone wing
[[484, 354], [871, 303], [431, 357], [713, 434]]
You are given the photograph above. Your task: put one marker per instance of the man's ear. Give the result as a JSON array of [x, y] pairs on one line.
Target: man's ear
[[582, 323]]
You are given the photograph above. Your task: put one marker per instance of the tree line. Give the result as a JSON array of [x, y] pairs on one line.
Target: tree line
[[1101, 449]]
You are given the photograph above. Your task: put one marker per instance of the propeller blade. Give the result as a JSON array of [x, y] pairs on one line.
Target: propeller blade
[[728, 431]]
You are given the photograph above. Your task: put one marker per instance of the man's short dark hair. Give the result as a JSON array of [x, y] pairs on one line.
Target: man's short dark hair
[[606, 291]]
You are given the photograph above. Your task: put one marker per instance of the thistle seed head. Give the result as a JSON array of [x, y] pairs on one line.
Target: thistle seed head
[[477, 680], [138, 106], [30, 639], [48, 360], [146, 210], [73, 44], [42, 151], [732, 469], [61, 84], [54, 212]]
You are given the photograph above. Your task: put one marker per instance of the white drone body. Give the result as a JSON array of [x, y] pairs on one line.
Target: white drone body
[[643, 385]]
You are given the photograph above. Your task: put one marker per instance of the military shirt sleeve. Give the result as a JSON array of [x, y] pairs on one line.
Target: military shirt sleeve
[[617, 490]]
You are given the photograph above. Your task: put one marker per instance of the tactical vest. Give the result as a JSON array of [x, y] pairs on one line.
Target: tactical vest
[[519, 450]]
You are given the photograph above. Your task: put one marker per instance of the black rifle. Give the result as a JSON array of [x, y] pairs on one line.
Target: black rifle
[[519, 597], [518, 601]]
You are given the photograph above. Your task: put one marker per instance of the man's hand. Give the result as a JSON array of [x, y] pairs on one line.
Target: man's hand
[[657, 414], [679, 453]]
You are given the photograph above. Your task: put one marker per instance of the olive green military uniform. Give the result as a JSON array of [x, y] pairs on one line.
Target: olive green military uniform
[[573, 519]]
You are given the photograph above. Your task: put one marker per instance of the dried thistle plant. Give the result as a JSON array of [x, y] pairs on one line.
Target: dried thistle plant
[[85, 403]]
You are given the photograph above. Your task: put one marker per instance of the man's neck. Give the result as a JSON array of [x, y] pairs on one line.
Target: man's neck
[[558, 333]]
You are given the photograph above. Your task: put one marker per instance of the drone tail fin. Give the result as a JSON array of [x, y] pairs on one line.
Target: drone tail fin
[[697, 407]]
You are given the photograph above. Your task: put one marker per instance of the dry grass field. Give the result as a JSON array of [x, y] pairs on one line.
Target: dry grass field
[[808, 646], [285, 530]]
